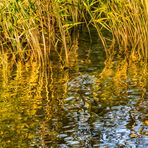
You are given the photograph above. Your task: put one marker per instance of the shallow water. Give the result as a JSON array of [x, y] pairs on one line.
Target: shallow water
[[88, 105]]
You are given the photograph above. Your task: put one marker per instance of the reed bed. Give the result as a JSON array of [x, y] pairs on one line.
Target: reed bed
[[128, 24], [32, 29]]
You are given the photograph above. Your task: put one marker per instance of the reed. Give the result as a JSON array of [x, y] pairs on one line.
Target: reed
[[34, 29], [129, 28]]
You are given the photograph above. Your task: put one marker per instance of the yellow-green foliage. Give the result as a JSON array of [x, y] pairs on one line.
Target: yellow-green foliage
[[128, 24], [39, 26], [33, 27]]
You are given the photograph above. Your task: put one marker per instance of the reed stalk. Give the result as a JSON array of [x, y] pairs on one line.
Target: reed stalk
[[129, 28], [34, 29], [38, 26]]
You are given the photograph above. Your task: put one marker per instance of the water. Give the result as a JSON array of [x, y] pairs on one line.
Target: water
[[87, 105]]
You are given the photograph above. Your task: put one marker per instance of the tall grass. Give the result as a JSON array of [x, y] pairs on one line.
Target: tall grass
[[128, 24], [35, 28]]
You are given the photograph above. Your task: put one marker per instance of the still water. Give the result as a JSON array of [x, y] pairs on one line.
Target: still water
[[91, 104]]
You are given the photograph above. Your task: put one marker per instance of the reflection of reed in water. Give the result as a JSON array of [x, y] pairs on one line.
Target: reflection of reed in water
[[117, 78], [125, 83], [31, 97]]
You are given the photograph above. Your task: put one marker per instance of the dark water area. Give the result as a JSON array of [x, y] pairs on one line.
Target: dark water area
[[88, 105]]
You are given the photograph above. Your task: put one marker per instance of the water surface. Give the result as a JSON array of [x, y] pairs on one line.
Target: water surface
[[88, 105]]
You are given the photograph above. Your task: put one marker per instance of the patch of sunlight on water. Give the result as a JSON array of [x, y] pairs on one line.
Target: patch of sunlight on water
[[89, 105]]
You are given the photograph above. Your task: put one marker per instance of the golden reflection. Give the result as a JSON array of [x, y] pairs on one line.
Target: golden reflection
[[55, 89], [119, 82], [32, 97], [117, 77], [29, 99], [111, 87]]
